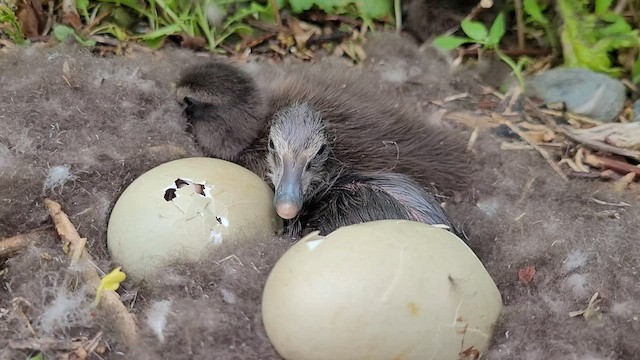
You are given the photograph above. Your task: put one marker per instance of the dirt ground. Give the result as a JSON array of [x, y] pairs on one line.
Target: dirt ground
[[79, 128]]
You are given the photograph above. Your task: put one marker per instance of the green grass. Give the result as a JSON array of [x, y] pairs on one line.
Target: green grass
[[10, 24]]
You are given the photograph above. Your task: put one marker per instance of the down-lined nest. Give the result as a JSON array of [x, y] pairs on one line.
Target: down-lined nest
[[78, 129]]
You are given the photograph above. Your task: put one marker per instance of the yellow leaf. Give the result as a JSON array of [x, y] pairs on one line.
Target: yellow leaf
[[111, 281]]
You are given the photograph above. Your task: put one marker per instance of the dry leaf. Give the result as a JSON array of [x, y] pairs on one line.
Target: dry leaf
[[31, 18], [72, 19], [621, 184], [302, 31], [592, 310], [625, 135], [191, 42], [525, 274]]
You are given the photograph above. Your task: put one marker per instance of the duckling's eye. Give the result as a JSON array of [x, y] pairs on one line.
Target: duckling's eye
[[271, 145]]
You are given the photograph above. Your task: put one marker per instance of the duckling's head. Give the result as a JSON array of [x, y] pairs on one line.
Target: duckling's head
[[223, 107], [298, 153]]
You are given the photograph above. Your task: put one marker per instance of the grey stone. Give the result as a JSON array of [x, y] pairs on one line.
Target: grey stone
[[584, 92], [636, 110]]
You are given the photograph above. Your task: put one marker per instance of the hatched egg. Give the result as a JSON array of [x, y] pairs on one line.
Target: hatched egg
[[184, 209]]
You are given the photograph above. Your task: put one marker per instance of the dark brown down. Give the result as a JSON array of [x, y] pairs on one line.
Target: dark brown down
[[370, 130]]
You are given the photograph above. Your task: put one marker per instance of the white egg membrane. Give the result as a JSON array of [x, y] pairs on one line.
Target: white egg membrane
[[82, 138]]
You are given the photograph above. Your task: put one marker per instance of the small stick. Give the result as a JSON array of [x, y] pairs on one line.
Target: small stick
[[540, 150], [617, 166], [527, 190], [43, 344], [17, 303], [276, 12], [519, 24], [599, 145], [10, 245], [13, 244], [74, 244], [473, 138], [566, 131]]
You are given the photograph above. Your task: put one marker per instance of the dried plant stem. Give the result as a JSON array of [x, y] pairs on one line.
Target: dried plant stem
[[615, 165], [276, 12], [581, 139], [533, 144], [519, 24], [73, 245], [10, 245]]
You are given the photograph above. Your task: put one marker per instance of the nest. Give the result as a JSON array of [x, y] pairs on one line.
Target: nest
[[76, 129]]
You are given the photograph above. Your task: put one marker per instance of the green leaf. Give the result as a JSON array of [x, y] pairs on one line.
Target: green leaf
[[62, 32], [155, 43], [83, 6], [474, 29], [602, 6], [254, 8], [533, 9], [635, 72], [373, 9], [39, 356], [85, 42], [161, 32], [111, 29], [136, 5], [497, 30], [618, 26], [450, 42]]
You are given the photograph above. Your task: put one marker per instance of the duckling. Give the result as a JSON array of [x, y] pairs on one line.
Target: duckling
[[369, 131], [354, 198], [317, 192]]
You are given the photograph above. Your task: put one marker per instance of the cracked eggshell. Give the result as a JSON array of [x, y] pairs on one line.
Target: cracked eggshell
[[380, 290], [158, 219]]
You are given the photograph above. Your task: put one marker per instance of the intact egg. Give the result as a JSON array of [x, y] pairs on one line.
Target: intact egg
[[186, 208], [382, 290]]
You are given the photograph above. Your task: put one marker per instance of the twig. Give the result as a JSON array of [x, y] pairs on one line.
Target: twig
[[276, 12], [533, 52], [601, 202], [540, 150], [74, 244], [10, 245], [17, 303], [321, 17], [473, 138], [596, 145], [335, 37], [43, 344], [620, 6], [618, 166], [519, 24], [397, 11], [49, 22], [527, 190]]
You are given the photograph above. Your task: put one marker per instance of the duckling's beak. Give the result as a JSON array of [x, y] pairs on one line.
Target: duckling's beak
[[288, 198]]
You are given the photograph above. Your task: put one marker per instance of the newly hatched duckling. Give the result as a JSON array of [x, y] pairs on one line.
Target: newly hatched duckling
[[317, 192], [368, 131]]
